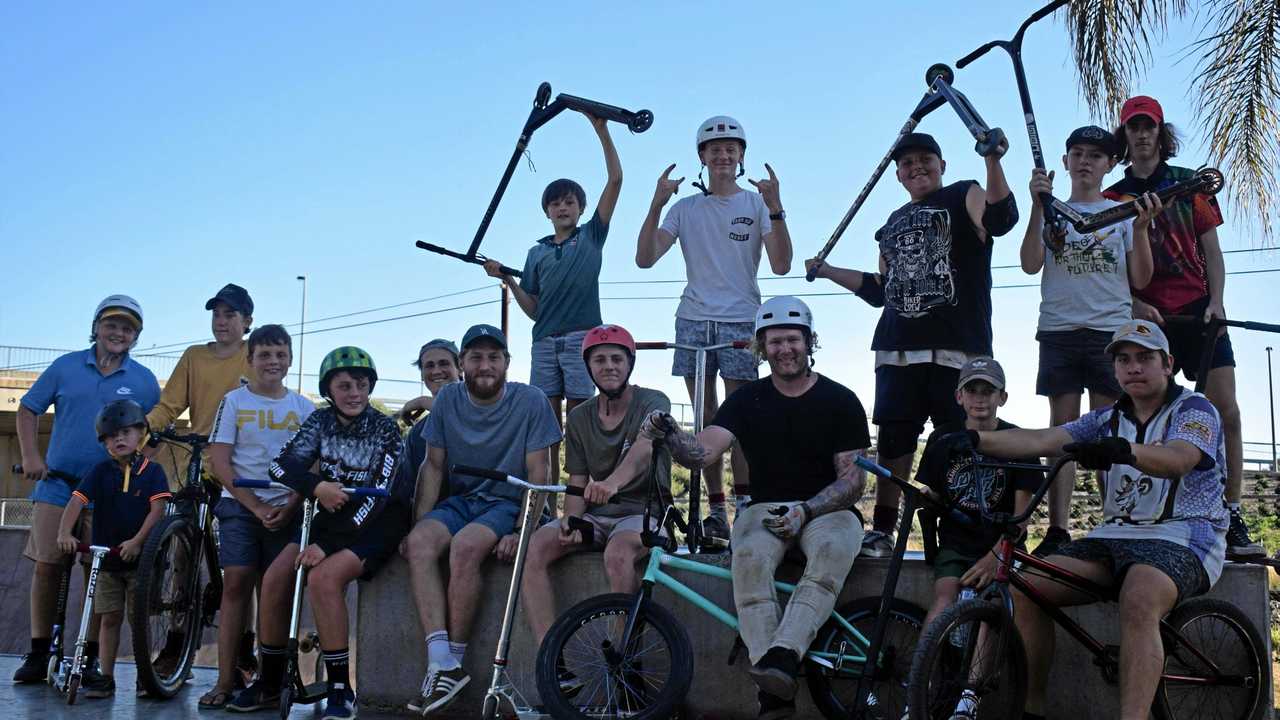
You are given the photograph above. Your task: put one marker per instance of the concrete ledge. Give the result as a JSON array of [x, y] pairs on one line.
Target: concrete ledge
[[393, 653]]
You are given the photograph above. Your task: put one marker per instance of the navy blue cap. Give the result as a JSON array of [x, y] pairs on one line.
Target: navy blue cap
[[916, 141], [477, 332], [236, 298]]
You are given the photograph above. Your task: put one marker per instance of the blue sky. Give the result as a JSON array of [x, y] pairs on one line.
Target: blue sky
[[163, 150]]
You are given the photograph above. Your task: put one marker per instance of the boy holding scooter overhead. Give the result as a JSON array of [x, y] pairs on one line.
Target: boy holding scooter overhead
[[128, 493], [352, 445]]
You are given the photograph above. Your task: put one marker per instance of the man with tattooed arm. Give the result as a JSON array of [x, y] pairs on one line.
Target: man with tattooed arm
[[800, 432]]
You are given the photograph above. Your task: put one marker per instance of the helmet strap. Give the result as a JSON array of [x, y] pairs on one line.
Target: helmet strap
[[698, 183], [742, 168]]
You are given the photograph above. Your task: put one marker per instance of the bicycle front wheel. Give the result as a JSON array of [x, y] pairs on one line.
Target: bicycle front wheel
[[835, 691], [584, 672], [165, 618], [1214, 667], [971, 654]]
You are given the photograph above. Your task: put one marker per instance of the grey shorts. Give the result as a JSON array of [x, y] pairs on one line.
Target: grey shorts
[[243, 541], [732, 364], [1172, 559], [607, 527], [557, 368]]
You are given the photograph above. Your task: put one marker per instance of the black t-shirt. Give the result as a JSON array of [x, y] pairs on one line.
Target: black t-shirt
[[962, 483], [791, 442], [937, 280]]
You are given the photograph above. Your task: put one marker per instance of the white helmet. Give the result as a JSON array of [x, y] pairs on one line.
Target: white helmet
[[784, 311], [721, 127], [122, 302]]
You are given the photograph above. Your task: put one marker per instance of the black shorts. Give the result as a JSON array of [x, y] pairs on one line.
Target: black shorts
[[374, 544], [1186, 343], [1178, 562], [906, 396], [1072, 361]]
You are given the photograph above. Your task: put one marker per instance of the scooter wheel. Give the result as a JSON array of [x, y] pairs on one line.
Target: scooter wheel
[[543, 97], [642, 120], [52, 670], [939, 70]]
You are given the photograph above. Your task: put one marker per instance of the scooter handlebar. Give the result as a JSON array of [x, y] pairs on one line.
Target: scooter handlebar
[[637, 121], [976, 53], [499, 476], [352, 491]]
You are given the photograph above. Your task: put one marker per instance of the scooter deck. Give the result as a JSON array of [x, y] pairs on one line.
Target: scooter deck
[[312, 694]]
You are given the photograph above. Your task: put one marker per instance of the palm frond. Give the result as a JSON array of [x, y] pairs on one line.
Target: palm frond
[[1237, 91], [1111, 41]]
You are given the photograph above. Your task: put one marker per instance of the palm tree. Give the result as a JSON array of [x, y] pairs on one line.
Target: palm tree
[[1235, 89]]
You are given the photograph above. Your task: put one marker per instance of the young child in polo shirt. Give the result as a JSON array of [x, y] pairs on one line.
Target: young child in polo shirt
[[1084, 297], [128, 493], [253, 423], [560, 287]]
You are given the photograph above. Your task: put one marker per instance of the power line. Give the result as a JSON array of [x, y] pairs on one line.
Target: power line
[[403, 317]]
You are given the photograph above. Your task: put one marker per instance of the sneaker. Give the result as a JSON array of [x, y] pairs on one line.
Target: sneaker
[[92, 672], [715, 534], [1239, 544], [258, 696], [1054, 538], [34, 669], [773, 707], [967, 707], [439, 689], [876, 544], [98, 686], [776, 672], [340, 704]]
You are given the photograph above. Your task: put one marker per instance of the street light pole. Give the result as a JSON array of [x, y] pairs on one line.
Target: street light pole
[[1271, 397], [302, 330]]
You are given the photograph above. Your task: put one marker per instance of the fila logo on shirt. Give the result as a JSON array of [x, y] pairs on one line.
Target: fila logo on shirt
[[266, 420]]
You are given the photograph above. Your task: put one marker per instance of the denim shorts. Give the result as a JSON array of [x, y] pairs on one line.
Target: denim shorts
[[557, 368], [243, 541], [458, 511], [1075, 360], [731, 363]]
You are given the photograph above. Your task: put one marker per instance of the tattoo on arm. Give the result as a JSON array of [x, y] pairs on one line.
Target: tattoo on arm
[[845, 491], [687, 450]]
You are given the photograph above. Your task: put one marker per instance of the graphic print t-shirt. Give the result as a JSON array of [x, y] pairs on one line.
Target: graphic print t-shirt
[[1086, 285], [721, 239], [937, 281], [257, 427]]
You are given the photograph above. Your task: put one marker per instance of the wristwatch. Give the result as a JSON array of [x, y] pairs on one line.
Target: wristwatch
[[780, 215]]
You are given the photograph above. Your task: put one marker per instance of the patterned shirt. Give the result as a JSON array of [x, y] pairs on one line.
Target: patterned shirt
[[1190, 510]]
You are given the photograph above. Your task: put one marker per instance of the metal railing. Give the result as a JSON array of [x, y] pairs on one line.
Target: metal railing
[[16, 512]]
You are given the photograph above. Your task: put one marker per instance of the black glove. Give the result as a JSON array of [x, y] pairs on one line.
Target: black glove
[[963, 442], [1101, 454]]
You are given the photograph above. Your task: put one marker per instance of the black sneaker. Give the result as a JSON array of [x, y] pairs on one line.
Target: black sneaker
[[34, 669], [439, 689], [92, 673], [98, 686], [773, 707], [1239, 544], [1054, 538], [715, 534], [258, 696], [776, 672]]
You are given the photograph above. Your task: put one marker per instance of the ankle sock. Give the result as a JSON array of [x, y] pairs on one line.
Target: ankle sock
[[885, 518], [458, 650], [438, 654]]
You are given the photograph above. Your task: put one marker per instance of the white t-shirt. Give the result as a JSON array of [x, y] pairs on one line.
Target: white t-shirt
[[256, 427], [1087, 284], [721, 239]]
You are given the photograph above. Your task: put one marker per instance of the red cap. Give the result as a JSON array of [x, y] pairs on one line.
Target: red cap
[[1141, 105]]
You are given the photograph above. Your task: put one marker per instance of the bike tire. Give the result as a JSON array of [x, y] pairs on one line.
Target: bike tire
[[1226, 636], [662, 672], [165, 618], [834, 693], [937, 674]]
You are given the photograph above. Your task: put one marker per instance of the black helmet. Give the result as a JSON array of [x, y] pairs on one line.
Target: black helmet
[[117, 415]]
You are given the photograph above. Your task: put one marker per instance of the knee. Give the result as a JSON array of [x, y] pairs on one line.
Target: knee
[[423, 547], [1138, 608], [542, 550], [112, 620], [236, 583], [323, 583], [466, 556], [619, 563]]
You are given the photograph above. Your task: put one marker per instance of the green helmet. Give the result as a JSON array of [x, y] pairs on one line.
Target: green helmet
[[347, 357]]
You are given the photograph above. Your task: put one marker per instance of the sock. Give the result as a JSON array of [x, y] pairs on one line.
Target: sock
[[458, 650], [90, 650], [272, 671], [716, 507], [1234, 507], [438, 654], [40, 646], [885, 518], [337, 667]]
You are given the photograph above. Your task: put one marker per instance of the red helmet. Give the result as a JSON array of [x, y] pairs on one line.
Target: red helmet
[[608, 335]]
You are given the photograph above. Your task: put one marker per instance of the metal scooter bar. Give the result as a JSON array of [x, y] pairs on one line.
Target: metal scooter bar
[[476, 259], [271, 485], [1211, 328], [987, 138], [498, 476]]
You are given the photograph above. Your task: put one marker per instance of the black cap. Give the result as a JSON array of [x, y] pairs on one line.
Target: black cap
[[1093, 135], [482, 331], [236, 297], [916, 141]]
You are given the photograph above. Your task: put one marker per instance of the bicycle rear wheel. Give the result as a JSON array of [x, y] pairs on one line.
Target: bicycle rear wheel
[[166, 615], [582, 673], [972, 647], [1218, 653], [835, 691]]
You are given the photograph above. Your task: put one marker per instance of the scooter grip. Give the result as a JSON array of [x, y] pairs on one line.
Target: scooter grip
[[652, 345], [478, 472], [587, 529], [872, 466], [367, 492], [988, 147], [574, 490]]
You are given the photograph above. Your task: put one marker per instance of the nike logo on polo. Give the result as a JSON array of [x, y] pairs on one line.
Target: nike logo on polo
[[122, 390]]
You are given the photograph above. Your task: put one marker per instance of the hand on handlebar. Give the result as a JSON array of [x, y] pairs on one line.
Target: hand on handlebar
[[494, 269], [599, 493], [67, 543], [1101, 454], [506, 548], [569, 538], [130, 549], [657, 424], [33, 468], [954, 444], [330, 495], [311, 557]]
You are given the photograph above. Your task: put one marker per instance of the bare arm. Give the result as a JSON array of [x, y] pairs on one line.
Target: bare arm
[[538, 463], [844, 491], [70, 514], [1019, 443], [695, 452], [574, 505], [1139, 261], [32, 463], [654, 242], [1031, 254], [613, 166], [220, 458], [430, 478]]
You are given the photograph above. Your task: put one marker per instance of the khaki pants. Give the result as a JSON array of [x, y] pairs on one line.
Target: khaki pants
[[42, 539], [830, 543]]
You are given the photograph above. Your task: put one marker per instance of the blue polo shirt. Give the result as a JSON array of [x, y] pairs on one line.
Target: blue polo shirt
[[77, 390], [118, 512], [566, 279]]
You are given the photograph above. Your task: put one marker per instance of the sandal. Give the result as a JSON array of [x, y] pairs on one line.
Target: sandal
[[215, 699]]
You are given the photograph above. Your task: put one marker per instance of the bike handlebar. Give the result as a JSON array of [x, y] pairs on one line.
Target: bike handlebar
[[499, 476], [352, 491], [55, 474], [167, 435]]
